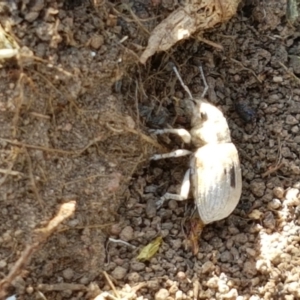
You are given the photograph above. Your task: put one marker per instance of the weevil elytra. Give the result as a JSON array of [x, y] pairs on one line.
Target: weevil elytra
[[214, 172]]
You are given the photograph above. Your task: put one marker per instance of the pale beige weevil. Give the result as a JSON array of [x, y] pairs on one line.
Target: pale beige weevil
[[214, 172]]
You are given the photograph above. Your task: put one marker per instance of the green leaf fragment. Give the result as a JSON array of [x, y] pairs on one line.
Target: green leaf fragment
[[150, 250]]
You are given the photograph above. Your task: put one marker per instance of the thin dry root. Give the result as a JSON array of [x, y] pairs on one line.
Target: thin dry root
[[40, 236]]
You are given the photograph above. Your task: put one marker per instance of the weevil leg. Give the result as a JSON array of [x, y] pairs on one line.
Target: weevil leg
[[186, 185], [183, 133], [204, 81], [184, 191], [176, 153]]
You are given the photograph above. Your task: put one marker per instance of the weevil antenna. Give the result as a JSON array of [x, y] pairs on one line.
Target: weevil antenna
[[182, 83], [204, 81]]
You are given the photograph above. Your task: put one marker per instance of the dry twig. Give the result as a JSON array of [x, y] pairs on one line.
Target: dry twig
[[32, 180], [278, 163], [111, 284], [40, 236]]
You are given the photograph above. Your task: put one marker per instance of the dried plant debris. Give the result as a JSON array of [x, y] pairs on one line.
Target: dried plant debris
[[184, 21], [150, 250], [292, 10]]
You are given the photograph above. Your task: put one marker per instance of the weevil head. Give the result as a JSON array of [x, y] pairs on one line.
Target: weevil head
[[208, 124]]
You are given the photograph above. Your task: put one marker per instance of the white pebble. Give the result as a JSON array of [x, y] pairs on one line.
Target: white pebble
[[274, 204], [277, 79], [179, 295], [162, 294], [207, 267], [291, 197]]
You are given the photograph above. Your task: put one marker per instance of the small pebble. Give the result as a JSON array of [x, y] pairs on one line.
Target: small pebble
[[251, 252], [207, 267], [249, 269], [137, 266], [255, 214], [291, 120], [179, 295], [29, 290], [126, 234], [232, 294], [274, 204], [181, 275], [31, 16], [162, 294], [291, 197], [258, 188], [226, 256], [134, 277], [115, 229], [173, 289], [119, 273], [223, 288], [84, 280], [97, 41], [173, 205], [150, 208], [68, 273], [269, 220], [213, 282], [277, 79], [3, 264]]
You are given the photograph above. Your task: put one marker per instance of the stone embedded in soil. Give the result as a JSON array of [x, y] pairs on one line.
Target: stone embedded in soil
[[207, 267], [181, 275], [150, 208], [277, 79], [278, 192], [97, 41], [134, 277], [162, 294], [226, 256], [291, 197], [291, 120], [3, 264], [137, 266], [173, 205], [274, 204], [115, 229], [258, 188], [119, 273], [32, 16], [173, 288], [249, 269], [269, 220], [179, 295], [232, 294], [68, 273], [127, 234]]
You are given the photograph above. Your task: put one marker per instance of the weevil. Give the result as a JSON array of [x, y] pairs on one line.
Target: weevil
[[214, 172]]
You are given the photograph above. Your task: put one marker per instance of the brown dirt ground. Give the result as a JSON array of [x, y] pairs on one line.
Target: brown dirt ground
[[75, 121]]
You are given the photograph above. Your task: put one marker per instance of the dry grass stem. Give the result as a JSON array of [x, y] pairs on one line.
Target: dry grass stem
[[40, 236]]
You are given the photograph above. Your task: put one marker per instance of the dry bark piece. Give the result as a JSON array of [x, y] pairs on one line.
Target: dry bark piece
[[180, 24]]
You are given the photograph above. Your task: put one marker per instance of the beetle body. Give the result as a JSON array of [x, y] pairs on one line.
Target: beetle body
[[216, 181], [214, 173]]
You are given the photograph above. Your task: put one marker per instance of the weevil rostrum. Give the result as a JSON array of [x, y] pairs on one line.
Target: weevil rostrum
[[214, 172]]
